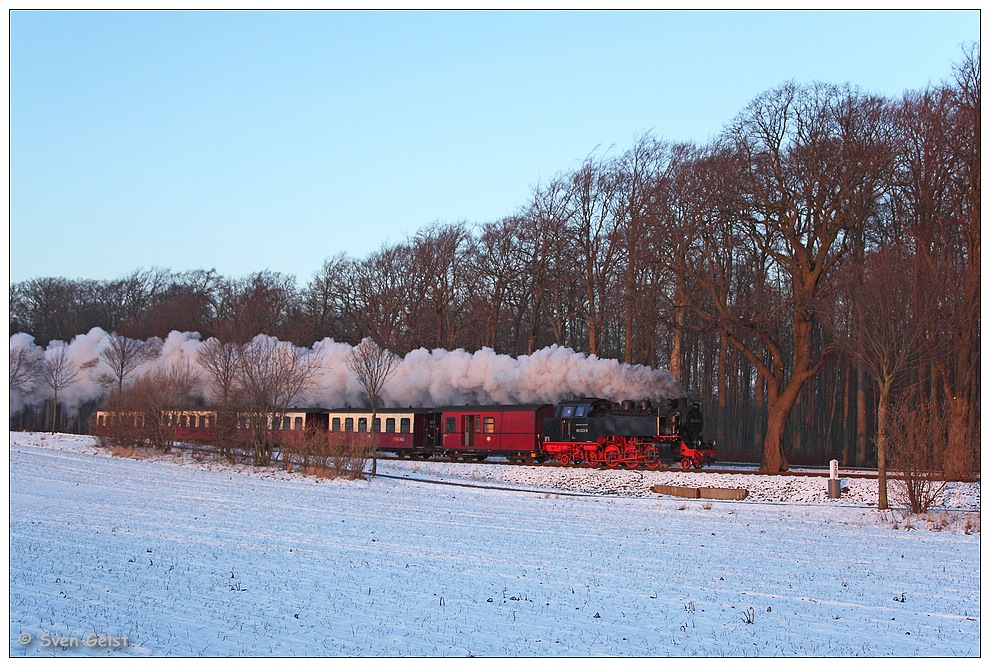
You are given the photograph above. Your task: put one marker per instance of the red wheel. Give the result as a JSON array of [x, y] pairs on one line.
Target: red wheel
[[652, 460], [632, 465], [564, 459], [686, 463], [611, 456]]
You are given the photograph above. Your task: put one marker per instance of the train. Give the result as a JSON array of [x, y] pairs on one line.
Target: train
[[588, 430]]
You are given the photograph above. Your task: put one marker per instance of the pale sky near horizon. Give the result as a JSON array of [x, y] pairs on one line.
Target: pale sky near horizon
[[245, 141]]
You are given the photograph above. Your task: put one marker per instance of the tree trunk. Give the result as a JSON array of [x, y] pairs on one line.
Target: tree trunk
[[374, 440], [958, 454], [861, 458], [723, 389], [676, 346], [883, 403], [774, 459]]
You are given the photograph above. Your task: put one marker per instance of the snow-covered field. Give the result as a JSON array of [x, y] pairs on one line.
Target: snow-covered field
[[170, 556]]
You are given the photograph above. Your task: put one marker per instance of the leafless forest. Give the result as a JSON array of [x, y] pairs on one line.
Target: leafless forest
[[814, 265]]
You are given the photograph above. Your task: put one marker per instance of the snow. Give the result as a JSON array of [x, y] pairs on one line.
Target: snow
[[171, 556]]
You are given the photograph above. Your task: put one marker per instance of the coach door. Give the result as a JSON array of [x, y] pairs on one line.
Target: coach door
[[468, 423]]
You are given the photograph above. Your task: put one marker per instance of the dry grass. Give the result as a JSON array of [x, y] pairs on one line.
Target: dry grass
[[965, 522], [328, 455], [125, 452]]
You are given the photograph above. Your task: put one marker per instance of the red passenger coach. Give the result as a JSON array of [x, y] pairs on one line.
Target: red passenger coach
[[479, 431], [412, 432]]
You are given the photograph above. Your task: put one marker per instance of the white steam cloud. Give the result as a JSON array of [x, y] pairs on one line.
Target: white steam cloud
[[423, 378]]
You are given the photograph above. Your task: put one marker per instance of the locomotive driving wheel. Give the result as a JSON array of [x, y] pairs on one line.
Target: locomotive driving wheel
[[611, 456]]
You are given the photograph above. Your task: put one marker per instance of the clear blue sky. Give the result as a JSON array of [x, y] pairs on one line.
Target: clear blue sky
[[244, 141]]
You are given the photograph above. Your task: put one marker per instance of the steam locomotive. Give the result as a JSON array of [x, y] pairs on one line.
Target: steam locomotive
[[591, 431], [599, 432]]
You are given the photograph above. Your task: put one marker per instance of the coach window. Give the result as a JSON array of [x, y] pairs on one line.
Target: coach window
[[208, 421], [404, 425], [451, 425], [390, 425], [349, 424], [489, 424], [336, 424], [182, 421], [362, 424], [299, 423]]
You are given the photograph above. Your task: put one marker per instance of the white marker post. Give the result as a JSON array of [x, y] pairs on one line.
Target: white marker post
[[834, 483]]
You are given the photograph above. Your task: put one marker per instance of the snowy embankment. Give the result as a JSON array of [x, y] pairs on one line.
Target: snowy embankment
[[169, 556]]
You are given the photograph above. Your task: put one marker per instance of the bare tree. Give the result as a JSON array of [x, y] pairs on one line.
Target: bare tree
[[222, 361], [125, 355], [58, 372], [547, 274], [25, 367], [326, 298], [808, 163], [919, 436], [498, 266], [644, 175], [593, 234], [272, 376], [939, 194], [383, 297], [886, 332], [438, 278], [156, 396], [372, 365]]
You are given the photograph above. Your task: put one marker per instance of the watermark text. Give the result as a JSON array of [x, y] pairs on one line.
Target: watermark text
[[92, 640]]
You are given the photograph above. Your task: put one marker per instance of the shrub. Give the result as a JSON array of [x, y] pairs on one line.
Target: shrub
[[326, 454], [918, 439]]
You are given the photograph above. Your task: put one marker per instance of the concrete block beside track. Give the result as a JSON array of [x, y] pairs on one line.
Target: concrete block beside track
[[724, 494], [691, 492], [679, 491]]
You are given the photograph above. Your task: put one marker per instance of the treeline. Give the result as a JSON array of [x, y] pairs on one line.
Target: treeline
[[816, 261]]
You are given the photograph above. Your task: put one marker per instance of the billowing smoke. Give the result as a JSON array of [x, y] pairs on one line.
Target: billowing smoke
[[424, 378]]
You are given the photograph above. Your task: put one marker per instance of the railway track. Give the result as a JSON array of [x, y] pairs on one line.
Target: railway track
[[719, 469], [723, 469]]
